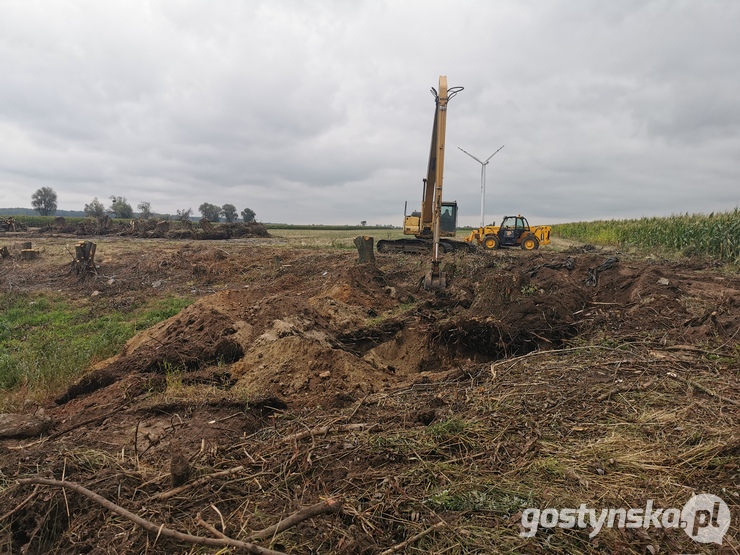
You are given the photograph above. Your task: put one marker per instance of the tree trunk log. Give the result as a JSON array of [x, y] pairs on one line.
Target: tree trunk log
[[23, 425], [365, 249]]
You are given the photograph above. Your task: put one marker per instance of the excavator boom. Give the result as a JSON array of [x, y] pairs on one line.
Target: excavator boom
[[435, 278], [436, 219]]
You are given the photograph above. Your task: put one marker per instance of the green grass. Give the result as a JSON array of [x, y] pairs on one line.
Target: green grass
[[716, 234], [321, 227], [45, 341], [323, 238], [45, 221]]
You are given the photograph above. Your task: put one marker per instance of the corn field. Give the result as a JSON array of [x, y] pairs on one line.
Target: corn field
[[716, 234], [41, 221]]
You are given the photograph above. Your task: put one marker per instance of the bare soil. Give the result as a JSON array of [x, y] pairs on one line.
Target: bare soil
[[520, 385]]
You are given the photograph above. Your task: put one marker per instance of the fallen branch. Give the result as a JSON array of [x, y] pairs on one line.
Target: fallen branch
[[624, 388], [200, 522], [326, 429], [328, 506], [692, 349], [149, 526], [170, 493], [703, 389], [399, 546], [514, 360], [20, 505]]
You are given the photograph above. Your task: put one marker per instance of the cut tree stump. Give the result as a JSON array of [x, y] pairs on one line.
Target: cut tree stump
[[84, 261], [206, 225], [29, 254], [104, 223], [364, 246], [4, 252], [163, 227]]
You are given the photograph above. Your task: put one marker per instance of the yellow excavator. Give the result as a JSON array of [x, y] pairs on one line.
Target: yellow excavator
[[437, 220]]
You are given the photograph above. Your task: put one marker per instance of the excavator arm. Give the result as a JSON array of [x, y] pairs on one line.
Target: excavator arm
[[429, 224], [431, 212]]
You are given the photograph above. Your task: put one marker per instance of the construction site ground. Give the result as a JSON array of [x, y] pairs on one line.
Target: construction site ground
[[426, 422]]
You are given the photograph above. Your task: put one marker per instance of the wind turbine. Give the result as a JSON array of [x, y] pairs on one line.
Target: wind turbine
[[482, 182]]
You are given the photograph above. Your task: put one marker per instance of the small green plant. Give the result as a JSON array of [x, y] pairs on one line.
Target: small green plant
[[447, 429], [173, 375], [530, 289], [479, 499], [550, 466]]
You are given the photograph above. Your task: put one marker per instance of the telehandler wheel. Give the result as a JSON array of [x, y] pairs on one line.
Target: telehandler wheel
[[530, 243], [490, 242]]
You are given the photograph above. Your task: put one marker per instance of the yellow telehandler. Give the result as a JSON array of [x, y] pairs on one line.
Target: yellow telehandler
[[514, 231]]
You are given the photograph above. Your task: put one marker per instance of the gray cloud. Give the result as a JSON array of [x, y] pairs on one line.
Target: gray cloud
[[320, 113]]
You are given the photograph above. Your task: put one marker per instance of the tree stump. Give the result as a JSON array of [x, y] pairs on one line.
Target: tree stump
[[206, 225], [364, 246], [29, 254], [84, 262], [4, 252], [162, 228], [104, 223]]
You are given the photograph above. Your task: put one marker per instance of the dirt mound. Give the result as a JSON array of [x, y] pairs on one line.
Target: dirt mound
[[315, 334]]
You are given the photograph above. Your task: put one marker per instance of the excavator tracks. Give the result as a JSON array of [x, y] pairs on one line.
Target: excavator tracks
[[422, 246]]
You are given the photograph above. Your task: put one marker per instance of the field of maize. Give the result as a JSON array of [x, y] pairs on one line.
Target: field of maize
[[716, 234]]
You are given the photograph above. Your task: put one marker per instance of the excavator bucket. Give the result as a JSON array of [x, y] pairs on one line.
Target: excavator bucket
[[435, 279], [435, 283]]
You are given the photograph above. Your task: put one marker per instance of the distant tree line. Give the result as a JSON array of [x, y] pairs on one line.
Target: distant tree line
[[44, 201], [213, 213]]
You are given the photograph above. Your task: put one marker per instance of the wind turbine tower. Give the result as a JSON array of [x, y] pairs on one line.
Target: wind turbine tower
[[482, 182]]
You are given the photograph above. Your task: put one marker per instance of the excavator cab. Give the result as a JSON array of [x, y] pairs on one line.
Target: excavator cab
[[448, 220]]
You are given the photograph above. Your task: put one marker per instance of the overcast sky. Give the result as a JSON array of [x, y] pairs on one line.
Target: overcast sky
[[320, 112]]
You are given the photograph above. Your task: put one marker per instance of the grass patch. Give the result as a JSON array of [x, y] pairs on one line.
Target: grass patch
[[483, 498], [323, 238], [47, 341]]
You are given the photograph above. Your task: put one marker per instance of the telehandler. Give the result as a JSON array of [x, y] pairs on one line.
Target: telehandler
[[513, 231]]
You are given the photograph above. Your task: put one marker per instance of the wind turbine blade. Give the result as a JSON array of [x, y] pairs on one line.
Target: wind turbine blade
[[492, 155], [473, 157]]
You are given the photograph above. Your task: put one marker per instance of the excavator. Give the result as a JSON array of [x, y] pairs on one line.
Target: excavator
[[437, 220]]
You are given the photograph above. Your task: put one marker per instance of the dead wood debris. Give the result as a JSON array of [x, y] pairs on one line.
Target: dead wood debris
[[328, 506]]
